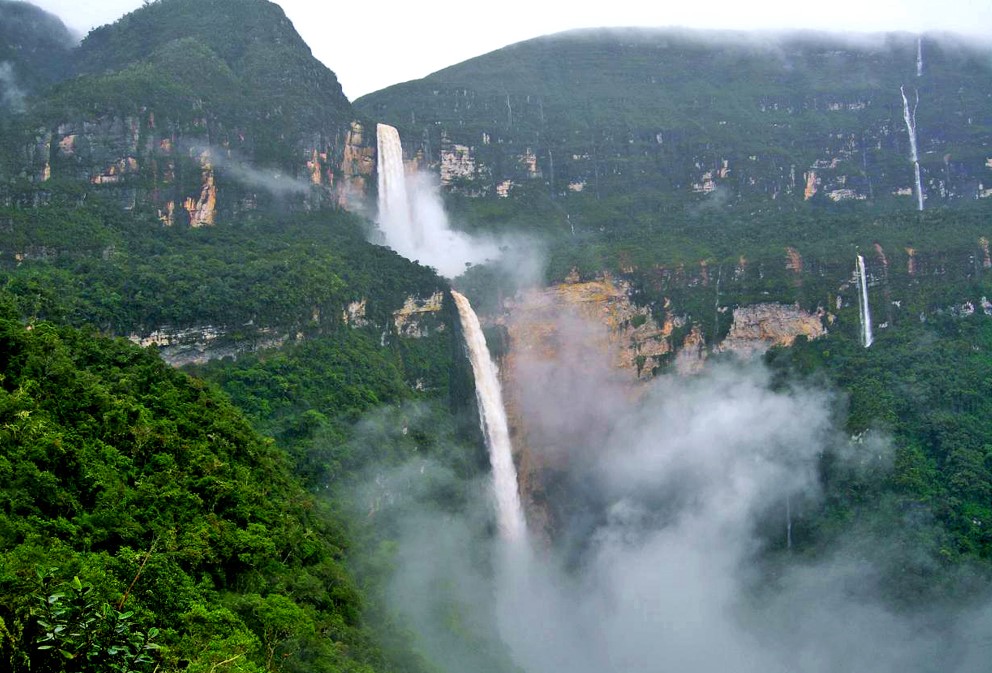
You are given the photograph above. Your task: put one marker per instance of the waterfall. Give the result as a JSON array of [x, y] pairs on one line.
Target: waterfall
[[395, 209], [910, 118], [509, 513], [412, 217], [919, 56], [866, 336]]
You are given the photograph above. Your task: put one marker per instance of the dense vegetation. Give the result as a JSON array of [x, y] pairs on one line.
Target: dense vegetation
[[125, 272], [927, 386], [171, 511], [34, 47], [137, 552], [638, 119], [150, 519], [632, 149]]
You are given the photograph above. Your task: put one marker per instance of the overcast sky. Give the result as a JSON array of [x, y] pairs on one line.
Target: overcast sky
[[371, 46]]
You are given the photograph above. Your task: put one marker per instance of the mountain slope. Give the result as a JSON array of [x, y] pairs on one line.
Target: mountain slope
[[677, 115], [197, 111], [34, 51], [279, 77], [157, 496]]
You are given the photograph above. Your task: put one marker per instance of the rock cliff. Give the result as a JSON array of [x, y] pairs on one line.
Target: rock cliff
[[703, 116], [200, 112]]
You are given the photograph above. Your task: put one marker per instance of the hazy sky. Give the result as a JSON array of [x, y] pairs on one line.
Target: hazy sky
[[373, 46]]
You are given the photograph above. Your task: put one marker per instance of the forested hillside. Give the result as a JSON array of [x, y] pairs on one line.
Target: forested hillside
[[180, 186], [34, 52], [236, 435], [145, 524], [665, 117]]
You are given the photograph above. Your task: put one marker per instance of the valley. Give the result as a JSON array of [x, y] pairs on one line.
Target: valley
[[616, 349]]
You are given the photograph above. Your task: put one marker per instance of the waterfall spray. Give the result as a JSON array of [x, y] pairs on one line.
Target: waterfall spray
[[910, 118], [509, 513], [412, 217], [866, 337]]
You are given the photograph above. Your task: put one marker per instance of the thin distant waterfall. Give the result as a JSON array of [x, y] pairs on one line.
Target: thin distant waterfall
[[919, 56], [910, 118], [395, 210], [509, 513], [866, 337]]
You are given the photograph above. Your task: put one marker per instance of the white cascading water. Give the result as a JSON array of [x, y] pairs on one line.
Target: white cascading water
[[412, 217], [919, 57], [509, 513], [866, 336], [395, 214], [910, 118]]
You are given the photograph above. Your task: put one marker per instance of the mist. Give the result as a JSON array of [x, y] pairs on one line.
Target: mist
[[420, 230], [11, 95], [667, 544], [240, 169]]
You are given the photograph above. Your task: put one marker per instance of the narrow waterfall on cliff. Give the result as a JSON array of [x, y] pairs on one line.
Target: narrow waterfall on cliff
[[395, 213], [919, 57], [412, 217], [509, 513], [866, 337], [910, 119]]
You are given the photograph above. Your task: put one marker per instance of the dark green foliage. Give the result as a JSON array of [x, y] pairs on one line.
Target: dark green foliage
[[36, 46], [630, 131], [237, 63], [126, 473], [82, 635], [640, 120], [254, 38], [926, 385], [99, 266]]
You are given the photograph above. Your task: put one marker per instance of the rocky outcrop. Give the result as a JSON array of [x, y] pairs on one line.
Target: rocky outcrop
[[457, 162], [811, 186], [692, 355], [419, 317], [354, 314], [201, 344], [203, 211], [758, 327], [793, 261], [357, 166], [629, 337]]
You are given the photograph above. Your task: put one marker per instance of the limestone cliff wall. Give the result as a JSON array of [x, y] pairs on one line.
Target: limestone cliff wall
[[631, 338], [589, 343], [201, 344], [758, 327], [419, 317], [198, 170]]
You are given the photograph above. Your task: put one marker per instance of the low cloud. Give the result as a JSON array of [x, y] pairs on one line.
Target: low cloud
[[669, 541], [12, 96], [241, 170], [414, 224]]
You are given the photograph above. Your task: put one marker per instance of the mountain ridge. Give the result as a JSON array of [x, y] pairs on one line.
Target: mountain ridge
[[677, 105]]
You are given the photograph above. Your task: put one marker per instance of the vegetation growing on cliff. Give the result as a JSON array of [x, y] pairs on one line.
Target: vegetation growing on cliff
[[143, 506], [927, 386], [125, 273], [152, 489]]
